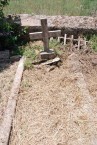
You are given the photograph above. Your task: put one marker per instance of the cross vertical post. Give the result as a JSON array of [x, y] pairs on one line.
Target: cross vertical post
[[45, 34]]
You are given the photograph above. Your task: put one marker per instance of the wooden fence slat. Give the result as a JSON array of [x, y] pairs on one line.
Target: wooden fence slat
[[65, 37], [80, 41], [71, 41]]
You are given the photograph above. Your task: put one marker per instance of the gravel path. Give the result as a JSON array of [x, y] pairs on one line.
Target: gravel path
[[56, 107]]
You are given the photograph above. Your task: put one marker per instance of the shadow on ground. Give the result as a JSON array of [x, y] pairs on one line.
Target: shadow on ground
[[5, 65]]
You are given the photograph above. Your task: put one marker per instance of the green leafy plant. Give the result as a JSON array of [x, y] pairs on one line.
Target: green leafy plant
[[12, 34], [3, 24], [57, 47], [31, 52]]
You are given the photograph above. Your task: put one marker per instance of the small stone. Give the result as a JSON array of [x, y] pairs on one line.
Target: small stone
[[51, 68], [94, 62], [86, 51], [15, 58]]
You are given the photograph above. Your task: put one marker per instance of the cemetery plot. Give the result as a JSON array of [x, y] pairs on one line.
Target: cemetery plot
[[56, 107]]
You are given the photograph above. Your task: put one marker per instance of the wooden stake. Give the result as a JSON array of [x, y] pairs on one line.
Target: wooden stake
[[59, 39], [71, 40], [78, 42], [65, 36]]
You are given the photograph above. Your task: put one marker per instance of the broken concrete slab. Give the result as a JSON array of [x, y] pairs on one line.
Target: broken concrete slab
[[53, 61]]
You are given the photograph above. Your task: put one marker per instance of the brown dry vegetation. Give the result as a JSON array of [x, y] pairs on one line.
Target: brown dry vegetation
[[56, 107]]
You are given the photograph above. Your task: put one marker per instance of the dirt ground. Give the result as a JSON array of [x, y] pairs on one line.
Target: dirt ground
[[7, 72], [59, 21], [58, 107]]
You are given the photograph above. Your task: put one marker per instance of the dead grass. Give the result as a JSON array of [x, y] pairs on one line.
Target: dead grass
[[55, 107]]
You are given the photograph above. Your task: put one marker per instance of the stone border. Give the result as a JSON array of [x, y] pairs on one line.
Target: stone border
[[76, 71], [5, 127]]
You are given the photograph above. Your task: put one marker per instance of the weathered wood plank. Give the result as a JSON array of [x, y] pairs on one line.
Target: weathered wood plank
[[38, 35]]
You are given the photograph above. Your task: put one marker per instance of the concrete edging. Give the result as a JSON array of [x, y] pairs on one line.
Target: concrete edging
[[5, 127]]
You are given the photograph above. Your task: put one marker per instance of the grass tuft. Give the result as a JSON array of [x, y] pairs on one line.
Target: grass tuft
[[93, 42]]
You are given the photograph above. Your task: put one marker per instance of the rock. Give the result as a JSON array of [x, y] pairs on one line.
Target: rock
[[94, 62], [15, 58], [51, 68]]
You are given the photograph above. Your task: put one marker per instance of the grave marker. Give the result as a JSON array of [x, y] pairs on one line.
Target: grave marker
[[45, 35]]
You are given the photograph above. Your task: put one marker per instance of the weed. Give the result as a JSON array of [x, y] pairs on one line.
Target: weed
[[57, 47], [31, 53], [28, 64], [93, 42]]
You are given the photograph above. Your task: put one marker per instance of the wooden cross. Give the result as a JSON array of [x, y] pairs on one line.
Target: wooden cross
[[45, 35]]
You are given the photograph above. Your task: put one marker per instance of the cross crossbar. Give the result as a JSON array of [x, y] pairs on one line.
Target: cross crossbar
[[38, 35]]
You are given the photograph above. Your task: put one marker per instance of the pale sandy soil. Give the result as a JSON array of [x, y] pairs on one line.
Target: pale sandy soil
[[56, 107], [7, 73]]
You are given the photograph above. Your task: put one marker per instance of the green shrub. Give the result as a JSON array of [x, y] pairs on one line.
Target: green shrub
[[12, 34]]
